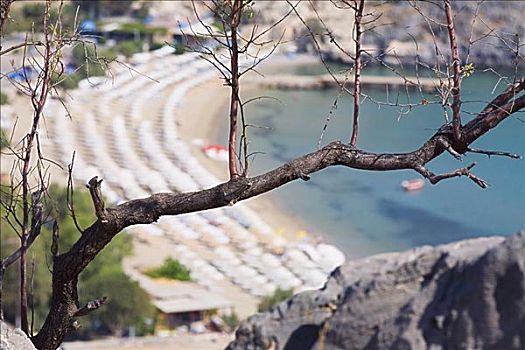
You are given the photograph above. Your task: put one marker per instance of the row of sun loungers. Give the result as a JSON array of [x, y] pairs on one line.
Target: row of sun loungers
[[137, 152]]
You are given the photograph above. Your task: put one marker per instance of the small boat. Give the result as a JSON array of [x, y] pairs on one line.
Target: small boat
[[413, 185], [216, 152]]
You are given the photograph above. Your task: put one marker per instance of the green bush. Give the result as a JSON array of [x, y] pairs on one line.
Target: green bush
[[4, 140], [128, 47], [142, 12], [93, 69], [179, 49], [3, 99], [217, 24], [127, 304], [66, 82], [91, 62], [171, 269], [109, 54], [156, 46], [231, 320], [142, 29], [31, 16], [33, 11], [279, 295]]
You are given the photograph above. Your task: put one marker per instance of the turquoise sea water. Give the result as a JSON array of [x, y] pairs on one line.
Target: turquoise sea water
[[366, 212]]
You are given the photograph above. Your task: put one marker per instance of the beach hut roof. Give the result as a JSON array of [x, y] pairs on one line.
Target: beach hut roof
[[176, 297]]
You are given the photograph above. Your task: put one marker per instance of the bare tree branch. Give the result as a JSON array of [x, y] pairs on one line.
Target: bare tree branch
[[456, 89], [494, 153], [358, 15], [234, 21], [54, 239], [90, 307], [70, 194], [434, 179], [96, 195], [5, 6], [18, 46]]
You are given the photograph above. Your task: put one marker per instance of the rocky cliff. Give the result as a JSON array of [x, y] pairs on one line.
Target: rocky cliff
[[394, 27], [464, 295]]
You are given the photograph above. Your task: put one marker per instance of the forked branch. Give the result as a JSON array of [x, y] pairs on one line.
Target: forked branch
[[90, 307], [434, 179]]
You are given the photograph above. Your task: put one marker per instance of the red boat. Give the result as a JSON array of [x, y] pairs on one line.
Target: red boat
[[413, 185]]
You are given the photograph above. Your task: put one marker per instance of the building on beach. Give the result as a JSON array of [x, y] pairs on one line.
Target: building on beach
[[184, 303]]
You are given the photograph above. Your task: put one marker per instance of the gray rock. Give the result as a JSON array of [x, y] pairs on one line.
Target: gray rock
[[14, 339], [464, 295]]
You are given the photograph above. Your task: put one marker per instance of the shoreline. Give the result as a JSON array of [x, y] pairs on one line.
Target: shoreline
[[206, 128]]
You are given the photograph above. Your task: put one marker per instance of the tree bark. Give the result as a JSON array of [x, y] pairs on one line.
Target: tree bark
[[357, 69], [5, 6], [234, 98], [456, 88]]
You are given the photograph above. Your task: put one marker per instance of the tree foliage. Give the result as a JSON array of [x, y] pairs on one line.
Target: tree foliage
[[90, 62], [66, 81], [28, 16], [127, 305], [231, 320], [279, 295], [4, 140], [102, 8], [128, 47]]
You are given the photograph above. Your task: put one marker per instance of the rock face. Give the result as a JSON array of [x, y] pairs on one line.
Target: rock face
[[464, 295], [14, 339]]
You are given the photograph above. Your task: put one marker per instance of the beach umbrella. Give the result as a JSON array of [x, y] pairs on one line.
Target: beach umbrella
[[296, 255], [246, 271], [309, 250], [248, 245], [330, 257], [291, 283], [281, 274], [251, 260], [254, 251], [267, 289], [197, 264], [270, 260], [259, 280], [314, 278], [224, 252]]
